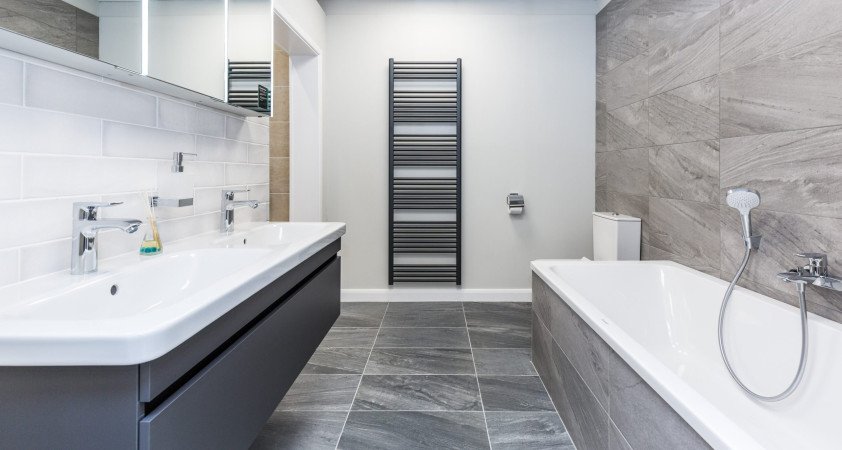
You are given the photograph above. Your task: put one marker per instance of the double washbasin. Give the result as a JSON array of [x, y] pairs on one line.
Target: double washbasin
[[137, 308]]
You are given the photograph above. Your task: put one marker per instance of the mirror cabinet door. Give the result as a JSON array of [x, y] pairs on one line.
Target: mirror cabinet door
[[250, 54]]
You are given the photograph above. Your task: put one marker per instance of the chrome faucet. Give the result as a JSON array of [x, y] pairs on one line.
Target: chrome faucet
[[814, 272], [228, 205], [83, 256]]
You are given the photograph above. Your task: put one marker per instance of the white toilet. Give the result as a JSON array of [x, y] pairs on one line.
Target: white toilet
[[616, 237]]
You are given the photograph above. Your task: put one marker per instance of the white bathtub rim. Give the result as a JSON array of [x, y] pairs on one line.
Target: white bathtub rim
[[714, 426]]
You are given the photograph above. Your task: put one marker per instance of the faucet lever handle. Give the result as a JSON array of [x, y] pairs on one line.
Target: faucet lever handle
[[817, 263], [228, 194], [87, 210]]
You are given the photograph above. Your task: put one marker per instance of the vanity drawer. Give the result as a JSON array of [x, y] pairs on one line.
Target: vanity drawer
[[225, 405]]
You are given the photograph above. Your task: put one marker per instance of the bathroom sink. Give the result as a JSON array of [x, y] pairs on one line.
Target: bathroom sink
[[158, 283], [136, 309], [272, 234]]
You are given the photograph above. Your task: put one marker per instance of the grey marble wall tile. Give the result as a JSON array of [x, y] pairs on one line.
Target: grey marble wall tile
[[490, 314], [649, 253], [301, 429], [585, 350], [798, 171], [686, 114], [601, 168], [87, 48], [361, 314], [628, 171], [685, 171], [754, 29], [418, 393], [514, 393], [55, 13], [601, 200], [643, 417], [503, 361], [424, 314], [39, 30], [792, 90], [689, 55], [586, 421], [337, 361], [671, 17], [601, 126], [622, 31], [687, 229], [412, 429], [423, 337], [627, 127], [87, 26], [320, 393], [350, 337], [784, 235], [420, 361], [532, 430], [627, 83]]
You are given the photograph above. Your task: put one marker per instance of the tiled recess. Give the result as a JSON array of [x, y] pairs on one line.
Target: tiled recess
[[70, 136], [402, 383], [279, 137], [696, 97]]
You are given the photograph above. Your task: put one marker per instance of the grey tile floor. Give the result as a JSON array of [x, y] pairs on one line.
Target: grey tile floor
[[420, 375]]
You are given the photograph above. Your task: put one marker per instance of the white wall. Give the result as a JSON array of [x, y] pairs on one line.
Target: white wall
[[308, 18], [250, 30], [528, 126], [71, 136]]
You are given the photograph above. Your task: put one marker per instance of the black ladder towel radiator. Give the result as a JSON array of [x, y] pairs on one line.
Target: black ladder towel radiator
[[425, 136]]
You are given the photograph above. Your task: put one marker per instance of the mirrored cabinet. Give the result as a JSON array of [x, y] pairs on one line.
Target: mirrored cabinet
[[218, 48]]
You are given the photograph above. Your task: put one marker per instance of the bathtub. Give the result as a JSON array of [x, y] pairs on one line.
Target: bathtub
[[660, 319]]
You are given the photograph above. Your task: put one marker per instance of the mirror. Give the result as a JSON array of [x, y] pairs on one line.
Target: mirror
[[219, 48]]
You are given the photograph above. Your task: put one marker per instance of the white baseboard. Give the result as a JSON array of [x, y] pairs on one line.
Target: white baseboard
[[436, 295]]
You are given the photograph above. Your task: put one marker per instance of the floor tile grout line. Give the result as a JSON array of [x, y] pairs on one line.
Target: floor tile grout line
[[354, 398], [476, 377]]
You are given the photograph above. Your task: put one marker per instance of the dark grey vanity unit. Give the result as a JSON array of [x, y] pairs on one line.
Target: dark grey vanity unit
[[214, 391]]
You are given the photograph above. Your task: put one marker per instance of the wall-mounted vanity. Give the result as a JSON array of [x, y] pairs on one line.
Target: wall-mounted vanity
[[207, 51]]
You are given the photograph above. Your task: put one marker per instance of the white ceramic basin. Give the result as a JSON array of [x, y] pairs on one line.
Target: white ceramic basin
[[272, 234], [157, 283], [158, 302]]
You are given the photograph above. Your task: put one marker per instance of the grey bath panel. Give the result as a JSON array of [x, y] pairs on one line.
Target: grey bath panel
[[627, 83], [320, 393], [367, 430], [423, 337], [337, 361], [494, 314], [504, 361], [622, 31], [629, 171], [766, 163], [686, 171], [420, 361], [687, 229], [689, 55], [418, 393], [792, 90], [350, 337], [643, 417], [586, 421], [617, 441], [527, 430], [503, 336], [362, 314], [685, 114], [586, 351], [754, 29], [627, 127], [514, 393], [424, 314], [292, 430]]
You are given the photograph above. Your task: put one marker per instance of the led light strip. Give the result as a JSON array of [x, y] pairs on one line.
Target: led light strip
[[144, 37]]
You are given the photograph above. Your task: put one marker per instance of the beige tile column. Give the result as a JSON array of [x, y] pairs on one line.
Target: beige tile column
[[279, 139]]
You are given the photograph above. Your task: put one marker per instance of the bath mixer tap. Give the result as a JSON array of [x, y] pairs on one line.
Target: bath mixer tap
[[815, 273], [228, 205], [83, 255]]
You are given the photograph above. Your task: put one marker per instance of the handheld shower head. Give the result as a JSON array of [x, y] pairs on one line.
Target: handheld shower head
[[744, 200]]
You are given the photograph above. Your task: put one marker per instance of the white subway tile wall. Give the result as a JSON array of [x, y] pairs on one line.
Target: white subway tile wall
[[69, 136]]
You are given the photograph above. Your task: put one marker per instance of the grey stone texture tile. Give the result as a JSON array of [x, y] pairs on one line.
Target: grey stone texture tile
[[527, 430], [492, 314], [627, 127], [337, 361], [320, 393], [504, 361], [629, 171], [367, 430], [689, 54], [301, 429], [514, 393], [689, 230], [424, 314], [350, 337], [418, 393], [685, 171], [502, 336], [686, 114], [423, 337], [361, 314], [420, 361]]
